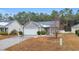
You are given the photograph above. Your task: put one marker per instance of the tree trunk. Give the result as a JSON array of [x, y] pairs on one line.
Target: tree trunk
[[56, 33], [23, 30]]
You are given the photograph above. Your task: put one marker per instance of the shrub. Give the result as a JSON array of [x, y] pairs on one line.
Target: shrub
[[41, 32], [3, 33], [38, 33], [20, 33], [14, 32], [77, 32]]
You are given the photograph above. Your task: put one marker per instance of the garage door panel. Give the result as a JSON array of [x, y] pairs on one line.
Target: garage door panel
[[30, 31]]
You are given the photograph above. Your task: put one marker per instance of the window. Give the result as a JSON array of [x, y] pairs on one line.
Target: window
[[3, 29], [6, 29]]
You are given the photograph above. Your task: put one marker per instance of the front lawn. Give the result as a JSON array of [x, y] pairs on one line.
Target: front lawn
[[71, 42], [34, 44]]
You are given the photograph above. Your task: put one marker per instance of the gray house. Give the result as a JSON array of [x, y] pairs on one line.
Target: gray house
[[31, 28], [74, 28], [9, 26]]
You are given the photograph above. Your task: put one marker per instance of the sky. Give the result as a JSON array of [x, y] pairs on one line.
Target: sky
[[12, 11]]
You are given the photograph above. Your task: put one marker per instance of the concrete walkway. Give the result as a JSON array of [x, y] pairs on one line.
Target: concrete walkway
[[6, 43]]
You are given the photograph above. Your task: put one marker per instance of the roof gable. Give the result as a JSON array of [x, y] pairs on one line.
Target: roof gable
[[32, 25], [42, 24]]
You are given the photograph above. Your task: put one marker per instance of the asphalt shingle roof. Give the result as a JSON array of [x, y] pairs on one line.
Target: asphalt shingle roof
[[43, 24], [75, 26], [49, 24], [5, 23]]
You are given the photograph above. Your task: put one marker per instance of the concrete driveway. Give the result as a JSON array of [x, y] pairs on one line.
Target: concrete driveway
[[6, 43]]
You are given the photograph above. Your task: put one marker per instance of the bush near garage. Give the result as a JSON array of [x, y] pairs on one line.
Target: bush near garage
[[38, 32], [20, 33], [41, 32], [77, 32]]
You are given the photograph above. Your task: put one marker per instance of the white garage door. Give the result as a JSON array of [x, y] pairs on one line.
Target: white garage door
[[30, 31]]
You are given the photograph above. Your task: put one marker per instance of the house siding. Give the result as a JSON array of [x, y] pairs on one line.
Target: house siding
[[74, 29], [14, 26]]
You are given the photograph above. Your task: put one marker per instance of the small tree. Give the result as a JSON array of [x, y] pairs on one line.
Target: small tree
[[56, 32], [22, 18], [24, 23], [56, 25], [55, 16]]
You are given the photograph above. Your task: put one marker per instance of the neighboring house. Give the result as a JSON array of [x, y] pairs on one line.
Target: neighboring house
[[31, 28], [74, 28], [9, 26]]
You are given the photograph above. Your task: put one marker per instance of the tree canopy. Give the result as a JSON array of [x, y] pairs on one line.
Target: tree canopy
[[65, 15]]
